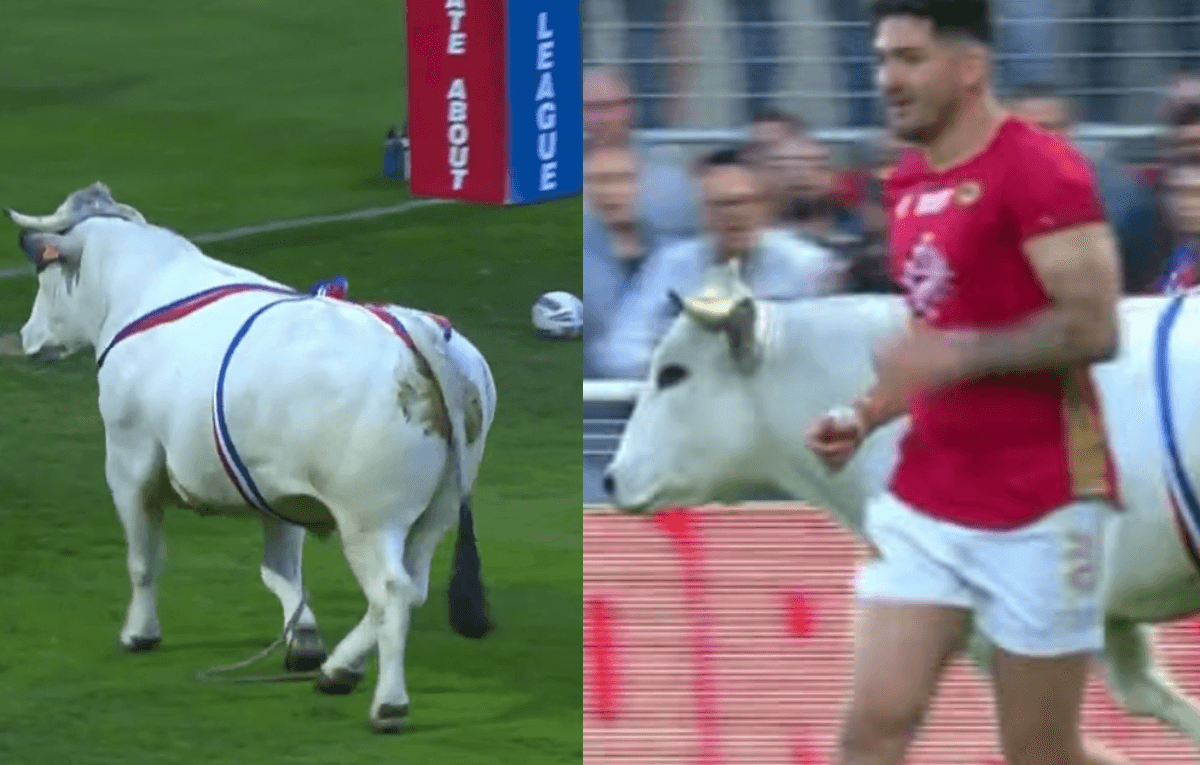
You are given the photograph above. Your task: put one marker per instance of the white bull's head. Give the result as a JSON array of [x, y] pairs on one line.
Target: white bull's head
[[55, 327], [692, 434]]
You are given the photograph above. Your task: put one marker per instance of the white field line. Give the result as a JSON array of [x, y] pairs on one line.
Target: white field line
[[278, 225]]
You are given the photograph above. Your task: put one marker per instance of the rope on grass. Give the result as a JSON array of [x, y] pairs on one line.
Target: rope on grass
[[208, 675]]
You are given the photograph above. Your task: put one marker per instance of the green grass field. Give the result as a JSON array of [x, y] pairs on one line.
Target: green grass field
[[209, 115]]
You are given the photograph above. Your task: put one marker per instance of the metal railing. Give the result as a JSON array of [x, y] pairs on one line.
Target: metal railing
[[606, 408]]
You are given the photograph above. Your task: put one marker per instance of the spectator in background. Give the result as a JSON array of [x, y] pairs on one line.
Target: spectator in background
[[770, 126], [869, 265], [806, 201], [667, 201], [803, 183], [1181, 200], [1181, 187], [1183, 131], [607, 107], [774, 264], [1130, 205], [618, 245]]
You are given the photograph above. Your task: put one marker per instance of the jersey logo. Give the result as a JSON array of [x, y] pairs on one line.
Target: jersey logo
[[933, 202], [926, 278], [968, 193], [903, 206]]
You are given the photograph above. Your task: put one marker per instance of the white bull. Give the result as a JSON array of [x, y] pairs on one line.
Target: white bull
[[735, 382], [319, 413]]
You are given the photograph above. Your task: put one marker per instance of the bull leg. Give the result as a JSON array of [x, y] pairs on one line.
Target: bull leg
[[395, 592], [423, 539], [377, 562], [345, 667], [391, 593], [1139, 685], [283, 551], [129, 481], [980, 650]]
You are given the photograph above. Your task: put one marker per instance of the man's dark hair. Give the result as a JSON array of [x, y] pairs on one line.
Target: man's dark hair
[[723, 157], [950, 18]]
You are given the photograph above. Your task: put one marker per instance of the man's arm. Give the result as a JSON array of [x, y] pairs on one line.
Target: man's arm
[[1080, 269], [881, 403]]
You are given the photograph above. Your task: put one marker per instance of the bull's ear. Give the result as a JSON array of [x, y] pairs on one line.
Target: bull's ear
[[739, 326], [675, 306], [44, 249]]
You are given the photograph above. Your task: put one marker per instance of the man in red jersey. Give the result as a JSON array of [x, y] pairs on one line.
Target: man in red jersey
[[996, 511]]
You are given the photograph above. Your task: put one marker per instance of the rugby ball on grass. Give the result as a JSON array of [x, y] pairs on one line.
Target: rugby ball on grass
[[558, 315]]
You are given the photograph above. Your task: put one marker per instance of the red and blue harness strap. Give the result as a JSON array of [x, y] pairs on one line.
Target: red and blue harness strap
[[180, 308], [235, 468], [1180, 491]]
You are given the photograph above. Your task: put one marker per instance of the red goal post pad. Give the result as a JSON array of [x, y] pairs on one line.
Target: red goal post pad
[[494, 100]]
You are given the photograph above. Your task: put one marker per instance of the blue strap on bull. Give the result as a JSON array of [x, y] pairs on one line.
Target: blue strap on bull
[[235, 468], [1177, 476], [336, 288]]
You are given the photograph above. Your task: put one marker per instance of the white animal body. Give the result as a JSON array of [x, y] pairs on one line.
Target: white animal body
[[312, 412]]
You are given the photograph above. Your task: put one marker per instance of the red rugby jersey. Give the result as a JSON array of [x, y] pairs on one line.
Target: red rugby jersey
[[1002, 451]]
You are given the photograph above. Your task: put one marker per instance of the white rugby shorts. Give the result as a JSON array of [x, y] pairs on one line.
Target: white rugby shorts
[[1034, 591]]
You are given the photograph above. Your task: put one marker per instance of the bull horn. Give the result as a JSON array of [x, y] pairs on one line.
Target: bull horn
[[722, 293], [709, 310], [54, 222]]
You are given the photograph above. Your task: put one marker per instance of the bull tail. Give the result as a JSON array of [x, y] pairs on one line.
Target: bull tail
[[468, 600], [429, 341]]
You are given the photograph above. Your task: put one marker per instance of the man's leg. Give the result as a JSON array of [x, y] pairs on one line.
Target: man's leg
[[1045, 614], [914, 614], [900, 651], [1038, 701]]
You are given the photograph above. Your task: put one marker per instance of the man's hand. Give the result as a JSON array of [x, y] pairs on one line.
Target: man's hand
[[836, 437]]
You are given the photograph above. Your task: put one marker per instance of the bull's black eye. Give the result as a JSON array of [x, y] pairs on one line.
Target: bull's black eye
[[671, 374]]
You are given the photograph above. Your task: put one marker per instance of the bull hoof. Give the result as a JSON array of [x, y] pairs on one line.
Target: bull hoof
[[341, 682], [389, 718], [307, 651], [141, 645]]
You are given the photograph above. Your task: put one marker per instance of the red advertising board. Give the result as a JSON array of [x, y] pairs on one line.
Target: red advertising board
[[724, 637]]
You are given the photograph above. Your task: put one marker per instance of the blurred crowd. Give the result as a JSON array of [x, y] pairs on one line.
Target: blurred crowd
[[801, 225], [1086, 41]]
